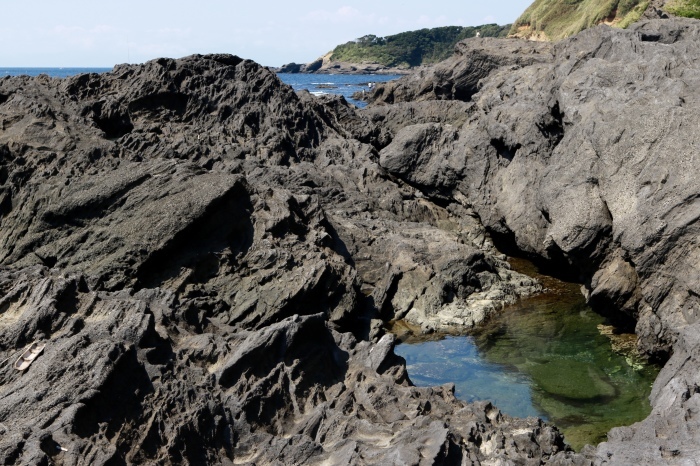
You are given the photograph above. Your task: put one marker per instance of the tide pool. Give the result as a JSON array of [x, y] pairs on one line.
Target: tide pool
[[549, 356]]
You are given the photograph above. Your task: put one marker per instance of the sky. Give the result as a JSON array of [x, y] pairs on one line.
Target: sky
[[78, 33]]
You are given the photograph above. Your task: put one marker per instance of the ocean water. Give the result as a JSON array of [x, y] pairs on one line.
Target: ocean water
[[341, 84], [53, 72]]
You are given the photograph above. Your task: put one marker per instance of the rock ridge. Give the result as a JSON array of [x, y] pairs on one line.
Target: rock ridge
[[208, 257]]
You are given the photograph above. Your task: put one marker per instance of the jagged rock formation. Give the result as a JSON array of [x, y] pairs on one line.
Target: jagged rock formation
[[458, 78], [583, 155], [208, 257]]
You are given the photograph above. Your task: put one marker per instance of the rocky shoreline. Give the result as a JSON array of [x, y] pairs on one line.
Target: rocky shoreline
[[210, 257], [337, 67]]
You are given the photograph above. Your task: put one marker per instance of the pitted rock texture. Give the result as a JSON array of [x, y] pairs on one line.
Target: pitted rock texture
[[583, 155], [457, 78], [208, 256]]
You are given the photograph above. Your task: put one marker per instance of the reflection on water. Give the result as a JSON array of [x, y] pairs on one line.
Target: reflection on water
[[458, 360], [549, 356]]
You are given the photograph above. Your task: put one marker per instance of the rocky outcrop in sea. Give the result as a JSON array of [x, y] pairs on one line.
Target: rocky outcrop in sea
[[209, 257], [324, 65]]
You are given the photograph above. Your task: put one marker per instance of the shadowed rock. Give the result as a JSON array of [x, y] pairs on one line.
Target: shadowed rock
[[201, 249]]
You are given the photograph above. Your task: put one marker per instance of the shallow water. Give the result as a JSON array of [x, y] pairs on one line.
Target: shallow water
[[547, 356]]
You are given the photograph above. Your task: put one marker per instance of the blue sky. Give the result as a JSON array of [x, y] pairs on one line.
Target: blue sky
[[95, 33]]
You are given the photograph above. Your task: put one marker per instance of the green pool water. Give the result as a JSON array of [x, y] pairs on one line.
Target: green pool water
[[549, 356]]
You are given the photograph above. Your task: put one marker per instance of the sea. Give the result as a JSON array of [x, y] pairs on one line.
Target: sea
[[53, 72], [317, 84], [341, 84]]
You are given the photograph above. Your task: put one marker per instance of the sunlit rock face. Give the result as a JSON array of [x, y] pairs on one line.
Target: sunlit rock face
[[581, 154]]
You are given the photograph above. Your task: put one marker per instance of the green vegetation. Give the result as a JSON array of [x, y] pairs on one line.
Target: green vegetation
[[687, 8], [413, 48], [557, 19]]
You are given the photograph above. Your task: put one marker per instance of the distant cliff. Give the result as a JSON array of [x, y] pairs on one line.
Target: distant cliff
[[395, 53]]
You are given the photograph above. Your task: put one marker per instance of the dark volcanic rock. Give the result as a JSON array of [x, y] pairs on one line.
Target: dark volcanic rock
[[291, 68], [583, 155], [458, 77], [207, 256]]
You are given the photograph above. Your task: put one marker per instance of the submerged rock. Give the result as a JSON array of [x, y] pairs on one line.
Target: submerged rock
[[573, 380]]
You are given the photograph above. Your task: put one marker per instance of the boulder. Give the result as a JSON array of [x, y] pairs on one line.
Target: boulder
[[291, 68]]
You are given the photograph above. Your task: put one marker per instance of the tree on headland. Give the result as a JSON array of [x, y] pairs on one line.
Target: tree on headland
[[413, 48]]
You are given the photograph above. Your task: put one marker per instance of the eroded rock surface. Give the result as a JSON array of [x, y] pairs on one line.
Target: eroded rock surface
[[208, 256], [584, 155]]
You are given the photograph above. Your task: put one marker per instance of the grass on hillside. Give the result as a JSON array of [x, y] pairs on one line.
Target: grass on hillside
[[413, 48], [558, 19], [686, 8]]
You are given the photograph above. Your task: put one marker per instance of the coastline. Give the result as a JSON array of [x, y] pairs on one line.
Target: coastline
[[345, 68]]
